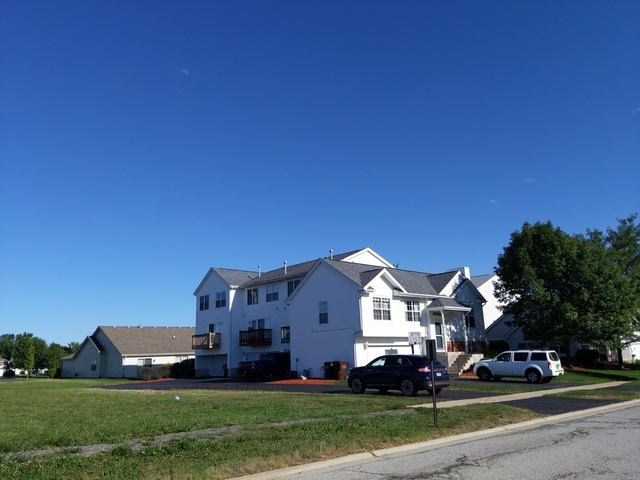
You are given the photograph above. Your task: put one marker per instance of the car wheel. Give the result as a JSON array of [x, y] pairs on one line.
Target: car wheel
[[533, 376], [356, 385], [408, 387], [484, 374]]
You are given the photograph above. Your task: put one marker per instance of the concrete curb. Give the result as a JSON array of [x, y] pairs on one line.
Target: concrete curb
[[332, 464]]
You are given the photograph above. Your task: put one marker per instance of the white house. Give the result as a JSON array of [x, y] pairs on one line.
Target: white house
[[119, 352], [491, 309], [350, 307]]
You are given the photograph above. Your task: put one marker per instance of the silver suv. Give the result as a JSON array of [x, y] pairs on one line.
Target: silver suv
[[534, 365]]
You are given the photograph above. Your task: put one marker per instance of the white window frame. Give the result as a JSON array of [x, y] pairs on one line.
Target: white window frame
[[252, 296], [412, 311], [272, 293], [381, 308], [204, 302], [221, 299], [323, 312], [439, 334]]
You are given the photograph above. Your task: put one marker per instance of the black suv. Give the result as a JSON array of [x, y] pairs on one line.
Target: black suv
[[407, 373]]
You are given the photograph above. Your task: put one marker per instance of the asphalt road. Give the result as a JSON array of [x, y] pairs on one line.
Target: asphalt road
[[600, 446]]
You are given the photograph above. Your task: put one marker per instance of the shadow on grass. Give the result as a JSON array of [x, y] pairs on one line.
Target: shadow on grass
[[607, 375]]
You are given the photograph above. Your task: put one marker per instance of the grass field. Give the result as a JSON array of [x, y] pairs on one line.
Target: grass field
[[265, 430]]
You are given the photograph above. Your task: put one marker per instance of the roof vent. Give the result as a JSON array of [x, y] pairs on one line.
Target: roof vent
[[285, 267], [259, 270], [331, 254]]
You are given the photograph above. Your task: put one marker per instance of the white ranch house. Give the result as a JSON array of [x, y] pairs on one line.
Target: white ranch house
[[350, 308], [120, 352]]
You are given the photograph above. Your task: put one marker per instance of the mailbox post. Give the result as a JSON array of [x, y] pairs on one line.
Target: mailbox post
[[431, 355]]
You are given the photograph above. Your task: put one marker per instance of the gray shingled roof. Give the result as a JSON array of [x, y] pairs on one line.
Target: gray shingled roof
[[480, 280], [441, 280], [446, 302], [235, 277], [357, 272], [293, 271], [414, 282], [151, 340]]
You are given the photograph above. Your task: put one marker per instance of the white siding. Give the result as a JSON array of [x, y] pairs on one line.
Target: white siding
[[312, 343]]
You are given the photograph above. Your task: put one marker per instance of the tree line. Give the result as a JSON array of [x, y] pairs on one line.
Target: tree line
[[566, 288], [28, 352]]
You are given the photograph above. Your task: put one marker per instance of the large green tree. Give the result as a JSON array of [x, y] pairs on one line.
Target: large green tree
[[55, 354], [7, 344], [623, 247], [561, 288]]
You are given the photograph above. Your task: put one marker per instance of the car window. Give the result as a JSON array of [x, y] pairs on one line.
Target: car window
[[504, 357], [554, 356], [394, 361], [520, 356], [378, 362], [539, 356]]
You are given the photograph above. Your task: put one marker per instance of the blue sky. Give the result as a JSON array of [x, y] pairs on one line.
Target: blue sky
[[143, 142]]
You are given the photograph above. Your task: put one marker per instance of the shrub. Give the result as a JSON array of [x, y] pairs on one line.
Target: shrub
[[145, 373], [51, 372], [588, 358], [9, 373], [184, 369]]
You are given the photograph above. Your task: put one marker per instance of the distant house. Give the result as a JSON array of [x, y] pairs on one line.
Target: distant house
[[3, 365], [119, 352], [349, 307], [491, 309]]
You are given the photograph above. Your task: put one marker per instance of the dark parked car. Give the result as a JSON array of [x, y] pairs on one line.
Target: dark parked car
[[407, 373]]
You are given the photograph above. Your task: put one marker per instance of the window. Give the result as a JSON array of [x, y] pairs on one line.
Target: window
[[470, 319], [272, 293], [214, 328], [413, 311], [144, 362], [381, 308], [94, 365], [439, 337], [252, 296], [221, 299], [522, 357], [292, 285], [204, 302], [259, 324], [285, 334], [504, 357], [323, 311]]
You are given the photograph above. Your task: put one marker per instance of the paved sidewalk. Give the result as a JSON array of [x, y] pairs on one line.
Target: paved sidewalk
[[516, 396]]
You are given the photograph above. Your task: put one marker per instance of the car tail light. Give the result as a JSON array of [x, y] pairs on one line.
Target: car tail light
[[548, 364], [424, 369]]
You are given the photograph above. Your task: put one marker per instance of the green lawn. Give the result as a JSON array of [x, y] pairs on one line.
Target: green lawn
[[270, 428]]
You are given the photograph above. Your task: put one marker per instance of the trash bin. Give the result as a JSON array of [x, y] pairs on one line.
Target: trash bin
[[340, 370], [329, 374]]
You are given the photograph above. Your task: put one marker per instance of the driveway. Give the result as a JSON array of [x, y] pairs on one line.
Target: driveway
[[542, 404]]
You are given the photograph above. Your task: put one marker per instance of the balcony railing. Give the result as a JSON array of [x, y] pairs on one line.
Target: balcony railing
[[258, 337], [206, 341]]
